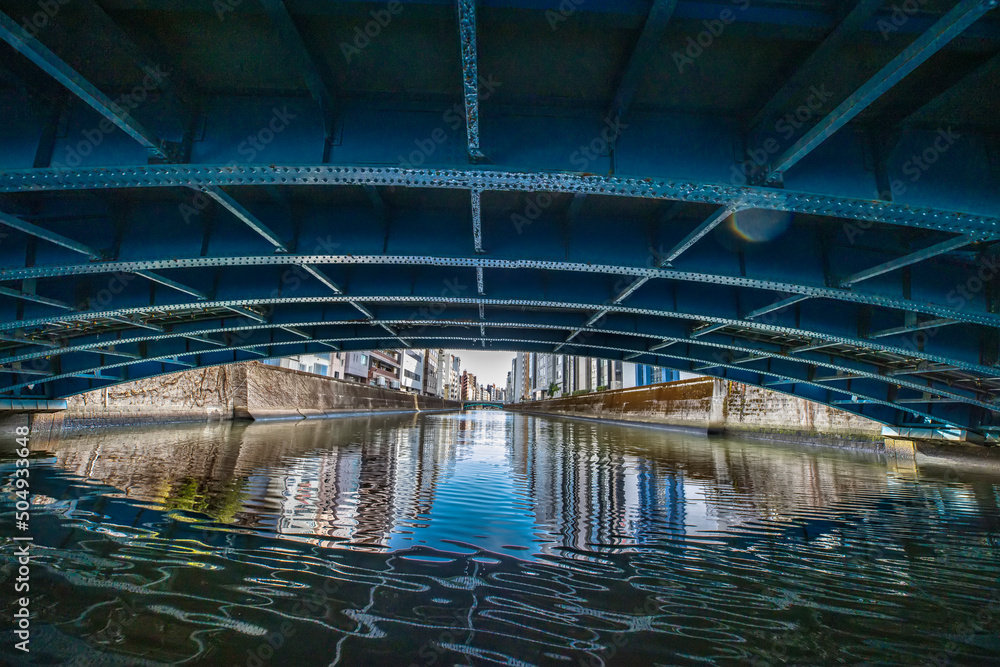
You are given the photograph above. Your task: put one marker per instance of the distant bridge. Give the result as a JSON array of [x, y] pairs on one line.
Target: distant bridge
[[770, 193], [481, 404]]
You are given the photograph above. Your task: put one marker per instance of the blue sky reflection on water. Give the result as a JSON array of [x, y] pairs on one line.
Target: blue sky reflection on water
[[478, 499], [530, 540]]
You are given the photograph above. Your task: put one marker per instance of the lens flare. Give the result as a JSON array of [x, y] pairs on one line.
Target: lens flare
[[758, 226]]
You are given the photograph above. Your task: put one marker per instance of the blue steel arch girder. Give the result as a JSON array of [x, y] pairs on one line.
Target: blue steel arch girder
[[852, 400], [195, 337], [801, 262], [855, 321], [853, 176], [913, 22]]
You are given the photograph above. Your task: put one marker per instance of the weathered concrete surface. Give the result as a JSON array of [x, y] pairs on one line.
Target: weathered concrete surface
[[249, 390], [719, 406], [282, 393], [686, 403]]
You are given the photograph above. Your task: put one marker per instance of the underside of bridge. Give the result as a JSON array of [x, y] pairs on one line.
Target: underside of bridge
[[800, 195]]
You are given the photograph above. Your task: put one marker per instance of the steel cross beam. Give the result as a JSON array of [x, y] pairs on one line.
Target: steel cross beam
[[693, 237], [907, 260], [964, 14], [917, 326], [237, 209], [54, 66], [241, 212], [292, 38], [42, 233], [470, 75], [65, 242], [781, 304], [649, 39], [698, 233], [824, 54], [29, 296]]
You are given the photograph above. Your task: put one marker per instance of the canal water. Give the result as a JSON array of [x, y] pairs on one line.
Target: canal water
[[494, 538]]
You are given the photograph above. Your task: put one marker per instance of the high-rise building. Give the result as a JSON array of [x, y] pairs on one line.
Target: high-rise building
[[435, 372], [470, 390]]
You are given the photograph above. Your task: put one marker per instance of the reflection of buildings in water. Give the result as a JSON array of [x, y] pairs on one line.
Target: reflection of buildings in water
[[364, 480], [587, 492]]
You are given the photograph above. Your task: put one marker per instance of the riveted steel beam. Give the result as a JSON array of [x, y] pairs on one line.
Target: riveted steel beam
[[749, 326], [965, 314], [749, 376], [745, 196], [230, 204], [12, 33], [470, 75], [964, 14], [827, 52], [477, 219], [749, 351]]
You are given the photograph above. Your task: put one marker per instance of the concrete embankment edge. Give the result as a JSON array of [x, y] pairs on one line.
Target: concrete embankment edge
[[713, 406], [245, 391]]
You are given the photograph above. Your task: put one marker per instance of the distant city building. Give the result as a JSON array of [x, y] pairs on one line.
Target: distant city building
[[427, 372], [434, 372], [412, 371], [470, 389], [534, 376]]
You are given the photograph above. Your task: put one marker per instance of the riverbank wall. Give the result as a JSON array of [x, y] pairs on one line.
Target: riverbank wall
[[244, 391], [719, 407]]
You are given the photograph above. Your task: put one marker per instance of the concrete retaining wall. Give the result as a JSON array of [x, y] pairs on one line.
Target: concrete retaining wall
[[719, 406], [249, 390], [280, 393]]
